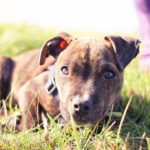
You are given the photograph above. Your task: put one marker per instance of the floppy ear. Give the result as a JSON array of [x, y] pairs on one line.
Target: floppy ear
[[55, 46], [125, 49]]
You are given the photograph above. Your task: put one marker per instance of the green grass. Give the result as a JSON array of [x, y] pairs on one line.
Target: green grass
[[15, 39], [135, 130]]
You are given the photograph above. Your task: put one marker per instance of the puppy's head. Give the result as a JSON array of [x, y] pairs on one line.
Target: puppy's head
[[89, 73]]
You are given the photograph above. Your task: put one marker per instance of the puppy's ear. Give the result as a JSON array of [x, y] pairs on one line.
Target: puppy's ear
[[55, 46], [125, 49]]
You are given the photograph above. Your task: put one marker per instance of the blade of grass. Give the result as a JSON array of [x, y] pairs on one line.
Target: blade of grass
[[142, 139], [90, 136], [75, 132], [148, 143], [123, 117]]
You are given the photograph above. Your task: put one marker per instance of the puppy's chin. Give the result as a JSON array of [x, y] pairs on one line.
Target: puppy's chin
[[87, 120], [81, 121], [77, 120]]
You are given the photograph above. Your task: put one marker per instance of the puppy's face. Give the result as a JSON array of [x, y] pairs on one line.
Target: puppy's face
[[88, 80], [89, 77]]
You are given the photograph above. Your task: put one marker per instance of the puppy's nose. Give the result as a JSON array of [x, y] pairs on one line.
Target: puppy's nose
[[82, 107]]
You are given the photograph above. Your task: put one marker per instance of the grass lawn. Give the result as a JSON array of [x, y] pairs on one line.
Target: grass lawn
[[132, 130]]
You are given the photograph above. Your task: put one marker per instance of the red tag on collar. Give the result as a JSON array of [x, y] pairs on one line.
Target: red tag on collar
[[63, 44]]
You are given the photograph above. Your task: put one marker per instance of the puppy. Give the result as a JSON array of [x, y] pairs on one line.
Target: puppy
[[88, 76]]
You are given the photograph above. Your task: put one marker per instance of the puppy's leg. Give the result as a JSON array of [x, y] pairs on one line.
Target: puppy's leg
[[29, 106], [33, 99]]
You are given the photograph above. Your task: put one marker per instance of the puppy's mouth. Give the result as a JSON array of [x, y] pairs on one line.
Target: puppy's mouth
[[84, 119], [80, 120], [88, 119]]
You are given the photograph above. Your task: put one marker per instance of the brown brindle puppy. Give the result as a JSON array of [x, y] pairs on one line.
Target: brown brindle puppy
[[89, 73]]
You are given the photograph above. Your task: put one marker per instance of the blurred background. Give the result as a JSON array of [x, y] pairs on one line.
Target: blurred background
[[93, 15], [36, 20]]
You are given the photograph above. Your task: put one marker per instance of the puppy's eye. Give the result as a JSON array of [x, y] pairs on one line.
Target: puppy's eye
[[108, 74], [65, 70]]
